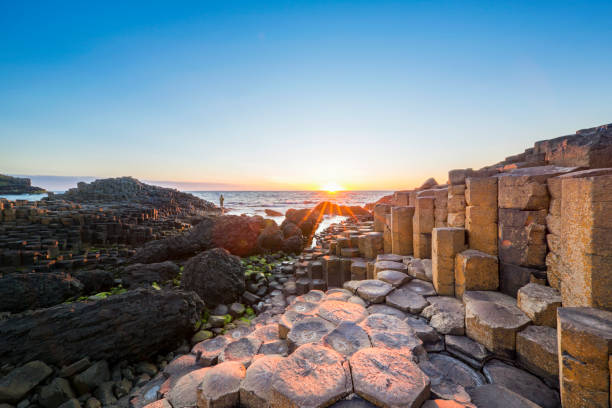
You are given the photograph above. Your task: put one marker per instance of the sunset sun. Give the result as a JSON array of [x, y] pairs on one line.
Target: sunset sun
[[331, 187]]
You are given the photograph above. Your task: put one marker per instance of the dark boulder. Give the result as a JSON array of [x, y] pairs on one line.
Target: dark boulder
[[290, 229], [132, 326], [95, 280], [270, 239], [145, 274], [197, 239], [22, 291], [238, 234], [306, 219], [293, 245], [215, 275]]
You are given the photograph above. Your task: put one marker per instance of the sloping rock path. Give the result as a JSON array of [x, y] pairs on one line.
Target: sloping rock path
[[389, 349]]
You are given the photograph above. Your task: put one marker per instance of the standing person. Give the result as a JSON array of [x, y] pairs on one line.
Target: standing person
[[221, 199]]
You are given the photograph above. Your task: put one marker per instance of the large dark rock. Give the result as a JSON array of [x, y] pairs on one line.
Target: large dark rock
[[22, 291], [270, 239], [306, 219], [95, 280], [145, 274], [290, 229], [133, 325], [238, 234], [293, 245], [215, 275], [199, 238]]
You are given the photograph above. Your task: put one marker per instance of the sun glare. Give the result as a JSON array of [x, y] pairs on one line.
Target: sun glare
[[331, 187]]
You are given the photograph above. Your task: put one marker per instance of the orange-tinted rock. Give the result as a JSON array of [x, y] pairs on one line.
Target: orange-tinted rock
[[388, 379], [308, 330], [383, 322], [540, 303], [255, 390], [185, 391], [337, 311], [537, 351], [241, 350], [313, 376], [220, 386], [210, 350], [266, 333], [585, 341], [475, 270]]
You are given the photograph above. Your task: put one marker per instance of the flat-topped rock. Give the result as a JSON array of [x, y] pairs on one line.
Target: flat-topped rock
[[406, 300], [384, 309], [408, 344], [337, 312], [279, 347], [220, 386], [287, 320], [540, 303], [446, 314], [389, 258], [313, 296], [303, 307], [308, 330], [390, 265], [209, 350], [241, 350], [421, 287], [347, 339], [521, 382], [255, 389], [313, 376], [383, 322], [266, 333], [374, 290], [388, 379], [494, 323], [497, 396], [392, 277]]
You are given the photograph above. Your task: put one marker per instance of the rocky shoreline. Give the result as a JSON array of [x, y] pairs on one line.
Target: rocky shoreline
[[492, 290], [18, 185]]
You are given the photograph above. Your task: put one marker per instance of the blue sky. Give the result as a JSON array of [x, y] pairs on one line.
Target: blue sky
[[291, 95]]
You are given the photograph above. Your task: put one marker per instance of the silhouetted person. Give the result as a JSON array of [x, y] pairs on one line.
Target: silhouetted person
[[221, 200]]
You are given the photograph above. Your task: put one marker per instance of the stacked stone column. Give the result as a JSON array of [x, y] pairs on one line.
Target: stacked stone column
[[553, 238], [585, 341], [523, 207], [387, 234], [586, 247], [446, 244], [401, 230], [380, 212], [456, 197], [481, 214], [423, 224], [441, 207]]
